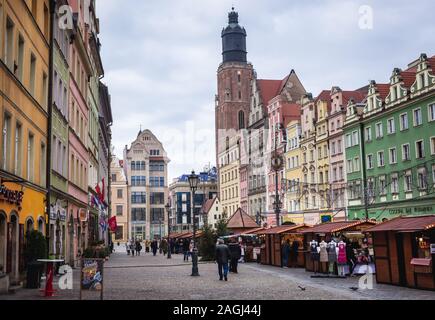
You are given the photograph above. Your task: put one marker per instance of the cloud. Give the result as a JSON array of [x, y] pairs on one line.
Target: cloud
[[161, 57]]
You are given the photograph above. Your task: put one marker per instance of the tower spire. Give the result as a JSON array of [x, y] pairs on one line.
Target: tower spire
[[234, 40]]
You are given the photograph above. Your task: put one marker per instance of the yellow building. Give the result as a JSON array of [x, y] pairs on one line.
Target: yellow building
[[323, 108], [24, 55], [293, 174], [229, 177]]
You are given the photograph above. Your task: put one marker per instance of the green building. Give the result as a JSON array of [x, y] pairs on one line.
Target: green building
[[390, 146]]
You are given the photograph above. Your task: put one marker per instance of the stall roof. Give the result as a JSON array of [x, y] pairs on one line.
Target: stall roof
[[254, 231], [284, 229], [332, 227], [406, 224], [190, 235], [178, 235], [241, 220]]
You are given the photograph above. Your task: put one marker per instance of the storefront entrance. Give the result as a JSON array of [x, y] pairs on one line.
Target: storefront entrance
[[3, 241], [12, 248]]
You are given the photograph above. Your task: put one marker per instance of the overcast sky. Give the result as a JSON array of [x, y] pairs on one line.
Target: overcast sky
[[161, 57]]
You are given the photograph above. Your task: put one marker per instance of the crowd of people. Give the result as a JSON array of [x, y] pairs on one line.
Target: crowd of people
[[134, 247]]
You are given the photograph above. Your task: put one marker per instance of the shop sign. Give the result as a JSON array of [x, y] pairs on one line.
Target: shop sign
[[92, 276], [411, 210], [83, 215], [432, 248], [11, 196]]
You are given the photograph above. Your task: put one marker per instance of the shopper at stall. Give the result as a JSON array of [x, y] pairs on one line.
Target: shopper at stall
[[350, 254], [285, 249], [294, 254], [236, 253]]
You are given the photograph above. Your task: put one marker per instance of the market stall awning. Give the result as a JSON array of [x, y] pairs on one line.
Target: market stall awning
[[190, 235], [332, 227], [241, 220], [406, 224], [286, 229], [178, 235], [254, 231]]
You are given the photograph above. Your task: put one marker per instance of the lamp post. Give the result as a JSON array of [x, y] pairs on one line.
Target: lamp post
[[277, 163], [168, 209], [193, 183]]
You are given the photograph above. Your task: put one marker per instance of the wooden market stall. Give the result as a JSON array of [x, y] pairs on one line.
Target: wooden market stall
[[329, 231], [404, 251], [271, 253], [240, 222]]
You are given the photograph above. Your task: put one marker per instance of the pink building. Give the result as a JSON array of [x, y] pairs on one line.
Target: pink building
[[337, 172], [80, 69]]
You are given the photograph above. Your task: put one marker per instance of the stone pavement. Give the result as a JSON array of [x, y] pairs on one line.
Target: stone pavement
[[158, 278]]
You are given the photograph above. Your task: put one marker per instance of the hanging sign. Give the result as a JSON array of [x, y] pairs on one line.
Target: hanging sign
[[83, 215]]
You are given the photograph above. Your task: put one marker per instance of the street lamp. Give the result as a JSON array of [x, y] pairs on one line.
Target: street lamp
[[168, 209], [193, 183]]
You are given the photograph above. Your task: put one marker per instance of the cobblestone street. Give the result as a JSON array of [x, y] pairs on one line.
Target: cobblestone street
[[156, 278]]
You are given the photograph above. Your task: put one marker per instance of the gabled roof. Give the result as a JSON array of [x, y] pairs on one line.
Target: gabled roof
[[290, 111], [240, 219], [383, 89], [268, 89], [406, 224], [208, 205], [408, 77], [285, 229], [357, 96]]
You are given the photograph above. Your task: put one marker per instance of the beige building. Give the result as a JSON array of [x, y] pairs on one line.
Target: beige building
[[119, 203], [229, 166], [146, 168], [212, 212]]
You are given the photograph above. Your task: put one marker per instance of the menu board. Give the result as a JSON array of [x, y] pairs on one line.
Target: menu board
[[91, 278]]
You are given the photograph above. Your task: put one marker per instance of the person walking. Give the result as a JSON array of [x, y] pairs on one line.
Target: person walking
[[222, 256], [127, 248], [243, 252], [236, 253], [154, 247], [147, 246], [186, 249], [294, 254], [164, 246], [138, 248], [132, 247], [285, 251]]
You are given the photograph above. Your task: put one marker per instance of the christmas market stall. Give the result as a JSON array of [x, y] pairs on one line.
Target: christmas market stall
[[240, 223], [283, 246], [339, 248], [404, 251], [250, 241]]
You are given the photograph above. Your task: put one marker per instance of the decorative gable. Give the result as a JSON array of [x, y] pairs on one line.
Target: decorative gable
[[425, 80], [374, 100], [398, 90]]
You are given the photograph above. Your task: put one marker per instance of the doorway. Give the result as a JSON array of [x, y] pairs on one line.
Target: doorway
[[401, 259], [12, 247], [3, 241]]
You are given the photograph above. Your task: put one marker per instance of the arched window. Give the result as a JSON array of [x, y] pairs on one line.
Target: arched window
[[241, 120]]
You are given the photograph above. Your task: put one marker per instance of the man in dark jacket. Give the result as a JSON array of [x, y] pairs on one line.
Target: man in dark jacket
[[236, 253], [186, 249], [222, 256]]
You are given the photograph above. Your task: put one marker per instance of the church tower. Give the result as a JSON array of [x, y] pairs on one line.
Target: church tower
[[234, 80]]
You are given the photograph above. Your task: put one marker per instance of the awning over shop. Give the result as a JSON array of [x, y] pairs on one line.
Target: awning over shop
[[332, 227], [406, 224], [286, 229], [190, 235]]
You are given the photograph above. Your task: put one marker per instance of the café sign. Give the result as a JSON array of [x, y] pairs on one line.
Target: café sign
[[11, 196], [412, 210]]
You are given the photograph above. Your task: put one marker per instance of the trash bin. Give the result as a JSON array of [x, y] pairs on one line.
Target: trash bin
[[34, 271]]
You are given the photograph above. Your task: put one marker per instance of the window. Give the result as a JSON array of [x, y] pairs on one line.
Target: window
[[432, 145], [408, 181], [422, 179], [9, 44], [417, 117], [42, 165], [339, 147], [6, 141], [382, 185], [44, 93], [369, 161], [18, 148], [30, 158], [393, 156], [379, 131], [138, 197], [32, 74], [20, 58], [381, 159], [406, 154], [355, 139], [419, 149], [368, 134], [119, 193], [157, 166], [138, 214], [349, 166], [404, 122], [46, 21], [113, 177], [394, 183], [333, 148], [119, 210], [157, 215], [137, 181], [391, 127], [431, 112], [348, 141], [356, 164], [157, 198]]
